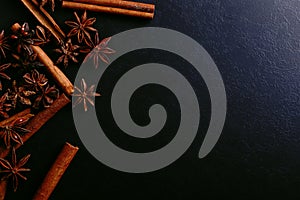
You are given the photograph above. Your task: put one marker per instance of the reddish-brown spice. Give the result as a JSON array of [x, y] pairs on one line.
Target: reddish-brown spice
[[39, 120], [56, 172]]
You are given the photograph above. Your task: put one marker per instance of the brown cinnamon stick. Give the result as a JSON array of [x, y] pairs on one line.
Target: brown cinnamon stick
[[50, 18], [56, 73], [39, 120], [56, 172], [3, 185], [130, 5], [45, 19], [16, 116], [106, 9]]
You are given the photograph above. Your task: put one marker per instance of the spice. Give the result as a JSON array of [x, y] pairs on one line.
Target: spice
[[56, 73], [19, 94], [35, 80], [14, 168], [3, 74], [131, 5], [45, 19], [68, 52], [84, 95], [4, 46], [26, 61], [81, 28], [3, 186], [100, 51], [51, 3], [43, 36], [24, 113], [4, 106], [36, 122], [23, 35], [56, 172], [11, 132], [46, 97], [106, 9]]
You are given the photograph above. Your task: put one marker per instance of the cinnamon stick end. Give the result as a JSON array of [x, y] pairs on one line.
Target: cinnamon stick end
[[71, 146], [15, 27], [3, 185]]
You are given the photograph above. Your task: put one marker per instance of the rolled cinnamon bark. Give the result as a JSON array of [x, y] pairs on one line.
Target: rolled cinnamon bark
[[56, 73], [106, 9], [3, 185], [45, 19], [130, 5], [16, 116], [39, 120], [56, 172]]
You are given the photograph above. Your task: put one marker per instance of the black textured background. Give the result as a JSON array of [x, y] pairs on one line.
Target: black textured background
[[255, 44]]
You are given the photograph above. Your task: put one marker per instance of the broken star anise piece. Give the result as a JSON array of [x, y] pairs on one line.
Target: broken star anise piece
[[42, 36], [51, 3], [85, 95], [35, 80], [46, 97], [4, 46], [19, 94], [14, 168], [81, 27], [12, 131], [68, 51], [23, 36], [100, 51], [4, 106], [3, 74]]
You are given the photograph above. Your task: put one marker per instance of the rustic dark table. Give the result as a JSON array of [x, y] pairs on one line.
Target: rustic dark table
[[255, 45]]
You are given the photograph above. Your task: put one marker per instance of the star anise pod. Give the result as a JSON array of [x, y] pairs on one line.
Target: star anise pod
[[19, 94], [46, 97], [23, 36], [11, 132], [81, 27], [100, 51], [4, 106], [85, 94], [26, 61], [14, 168], [4, 46], [42, 36], [35, 80], [51, 3], [68, 51], [3, 74]]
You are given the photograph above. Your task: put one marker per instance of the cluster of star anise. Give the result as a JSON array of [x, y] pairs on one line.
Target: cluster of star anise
[[23, 84], [82, 32]]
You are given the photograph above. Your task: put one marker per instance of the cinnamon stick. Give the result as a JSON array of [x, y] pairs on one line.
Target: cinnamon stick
[[3, 185], [39, 120], [106, 9], [45, 19], [50, 18], [56, 73], [16, 116], [56, 172], [130, 5]]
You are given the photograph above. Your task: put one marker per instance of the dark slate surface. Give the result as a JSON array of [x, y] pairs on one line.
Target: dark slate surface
[[255, 45]]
